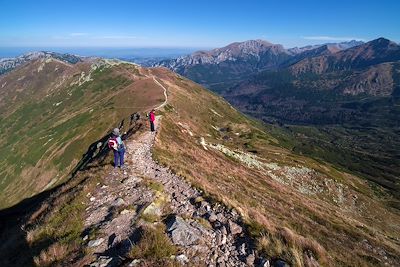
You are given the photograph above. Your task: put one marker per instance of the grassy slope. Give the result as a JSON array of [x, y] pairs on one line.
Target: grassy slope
[[45, 129], [338, 212], [358, 133], [368, 152], [326, 213], [50, 233]]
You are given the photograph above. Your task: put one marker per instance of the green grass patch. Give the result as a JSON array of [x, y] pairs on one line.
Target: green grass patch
[[154, 185], [154, 244], [66, 224]]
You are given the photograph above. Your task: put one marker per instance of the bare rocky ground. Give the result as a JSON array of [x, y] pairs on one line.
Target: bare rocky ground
[[206, 233]]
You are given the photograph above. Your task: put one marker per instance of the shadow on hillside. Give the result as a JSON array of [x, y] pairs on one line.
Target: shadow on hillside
[[14, 247]]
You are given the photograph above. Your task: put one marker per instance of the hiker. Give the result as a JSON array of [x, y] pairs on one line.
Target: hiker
[[134, 118], [152, 118], [115, 143]]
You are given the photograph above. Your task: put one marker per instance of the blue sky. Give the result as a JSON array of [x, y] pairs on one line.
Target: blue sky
[[178, 23]]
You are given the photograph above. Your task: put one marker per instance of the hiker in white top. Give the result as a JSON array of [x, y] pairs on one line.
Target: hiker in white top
[[117, 145]]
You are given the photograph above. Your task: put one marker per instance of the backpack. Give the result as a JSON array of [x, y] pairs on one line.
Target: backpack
[[112, 143]]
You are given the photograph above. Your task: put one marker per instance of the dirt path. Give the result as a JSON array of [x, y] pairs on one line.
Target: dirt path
[[204, 232], [165, 94]]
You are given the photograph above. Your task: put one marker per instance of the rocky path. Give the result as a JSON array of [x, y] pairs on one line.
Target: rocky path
[[205, 233]]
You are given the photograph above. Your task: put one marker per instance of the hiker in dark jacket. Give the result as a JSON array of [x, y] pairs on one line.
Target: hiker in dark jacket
[[152, 119], [115, 143]]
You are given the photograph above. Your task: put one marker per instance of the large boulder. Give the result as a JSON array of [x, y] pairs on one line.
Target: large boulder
[[234, 228], [153, 209], [181, 232], [95, 243]]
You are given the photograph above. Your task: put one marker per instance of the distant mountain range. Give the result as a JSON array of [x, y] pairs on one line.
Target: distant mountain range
[[322, 81], [241, 59], [333, 46], [343, 98], [372, 53], [8, 64]]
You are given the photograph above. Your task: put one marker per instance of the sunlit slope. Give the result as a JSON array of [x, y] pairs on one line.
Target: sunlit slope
[[297, 208], [51, 111]]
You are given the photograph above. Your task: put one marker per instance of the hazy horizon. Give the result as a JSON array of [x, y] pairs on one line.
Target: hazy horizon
[[120, 52], [197, 24]]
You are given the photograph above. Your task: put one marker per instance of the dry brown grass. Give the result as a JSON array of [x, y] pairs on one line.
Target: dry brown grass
[[55, 228], [53, 254], [285, 222]]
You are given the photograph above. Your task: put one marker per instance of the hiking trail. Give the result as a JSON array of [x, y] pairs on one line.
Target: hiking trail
[[165, 94], [205, 233]]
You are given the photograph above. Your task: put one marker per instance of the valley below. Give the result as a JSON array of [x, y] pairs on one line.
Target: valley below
[[336, 102]]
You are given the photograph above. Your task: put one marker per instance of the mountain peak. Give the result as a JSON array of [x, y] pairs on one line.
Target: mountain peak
[[353, 42], [256, 46], [381, 41], [258, 41]]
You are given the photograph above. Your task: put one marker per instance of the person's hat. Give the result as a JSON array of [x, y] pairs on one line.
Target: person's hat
[[115, 131]]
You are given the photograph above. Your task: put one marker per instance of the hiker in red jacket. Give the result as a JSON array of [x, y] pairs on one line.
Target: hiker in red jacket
[[152, 118]]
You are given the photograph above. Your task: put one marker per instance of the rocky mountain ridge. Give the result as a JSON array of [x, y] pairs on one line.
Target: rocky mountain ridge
[[363, 56], [337, 46], [246, 50], [241, 59], [233, 52], [8, 64]]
